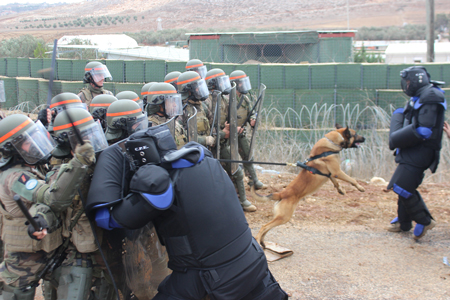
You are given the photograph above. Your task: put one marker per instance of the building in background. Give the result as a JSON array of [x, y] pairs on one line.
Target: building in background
[[273, 47], [416, 52]]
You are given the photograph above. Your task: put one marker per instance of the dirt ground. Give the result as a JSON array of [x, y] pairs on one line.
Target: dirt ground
[[343, 251]]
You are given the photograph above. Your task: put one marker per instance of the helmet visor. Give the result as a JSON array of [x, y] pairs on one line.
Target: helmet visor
[[92, 133], [61, 108], [100, 73], [200, 90], [137, 123], [201, 71], [223, 84], [243, 85], [34, 144], [173, 105]]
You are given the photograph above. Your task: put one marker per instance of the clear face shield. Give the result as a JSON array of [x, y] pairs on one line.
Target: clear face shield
[[200, 90], [243, 85], [201, 71], [92, 133], [34, 144], [137, 123], [100, 73], [223, 84], [173, 105]]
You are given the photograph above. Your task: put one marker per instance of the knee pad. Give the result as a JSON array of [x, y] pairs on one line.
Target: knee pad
[[12, 293], [74, 283], [239, 175]]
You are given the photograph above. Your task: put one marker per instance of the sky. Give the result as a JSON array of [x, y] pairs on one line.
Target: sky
[[4, 2]]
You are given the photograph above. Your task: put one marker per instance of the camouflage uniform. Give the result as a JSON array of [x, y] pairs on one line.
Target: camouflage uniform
[[243, 141], [225, 151], [203, 117], [25, 257], [180, 136], [88, 93]]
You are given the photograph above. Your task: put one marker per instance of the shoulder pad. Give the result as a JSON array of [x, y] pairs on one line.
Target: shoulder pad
[[189, 155], [432, 95]]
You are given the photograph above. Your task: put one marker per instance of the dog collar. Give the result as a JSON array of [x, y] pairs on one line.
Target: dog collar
[[340, 147]]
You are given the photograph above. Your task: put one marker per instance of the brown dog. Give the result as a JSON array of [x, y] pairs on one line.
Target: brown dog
[[307, 183]]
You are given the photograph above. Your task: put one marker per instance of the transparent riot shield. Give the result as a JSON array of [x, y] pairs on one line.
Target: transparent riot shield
[[215, 126], [234, 147], [259, 104], [192, 126], [145, 261], [171, 125]]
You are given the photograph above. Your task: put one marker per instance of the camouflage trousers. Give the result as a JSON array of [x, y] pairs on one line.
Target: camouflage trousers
[[20, 269]]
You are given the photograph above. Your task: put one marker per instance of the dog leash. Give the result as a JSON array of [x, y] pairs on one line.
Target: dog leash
[[297, 164]]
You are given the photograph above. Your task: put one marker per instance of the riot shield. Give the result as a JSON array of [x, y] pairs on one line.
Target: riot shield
[[234, 147], [145, 261], [171, 125], [192, 126], [259, 104], [216, 103]]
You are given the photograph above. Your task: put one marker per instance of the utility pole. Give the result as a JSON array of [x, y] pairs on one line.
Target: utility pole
[[430, 30]]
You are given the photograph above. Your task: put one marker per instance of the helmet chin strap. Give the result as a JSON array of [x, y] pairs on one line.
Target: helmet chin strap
[[92, 81]]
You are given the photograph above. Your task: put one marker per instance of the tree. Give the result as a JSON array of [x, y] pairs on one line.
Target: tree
[[40, 50], [22, 46]]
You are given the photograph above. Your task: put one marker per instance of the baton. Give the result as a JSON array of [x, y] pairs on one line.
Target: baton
[[25, 211]]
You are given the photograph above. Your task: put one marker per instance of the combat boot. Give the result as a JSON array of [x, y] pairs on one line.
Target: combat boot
[[252, 175], [420, 230], [394, 226], [239, 180]]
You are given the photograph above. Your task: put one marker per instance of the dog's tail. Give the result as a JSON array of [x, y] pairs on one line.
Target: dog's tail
[[259, 197]]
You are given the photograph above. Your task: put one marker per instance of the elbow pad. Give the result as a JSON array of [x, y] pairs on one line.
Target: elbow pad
[[405, 138], [62, 191]]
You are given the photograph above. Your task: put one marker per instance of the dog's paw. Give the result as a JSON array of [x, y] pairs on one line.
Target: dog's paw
[[341, 191], [360, 188]]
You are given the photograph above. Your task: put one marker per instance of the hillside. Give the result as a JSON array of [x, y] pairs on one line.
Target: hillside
[[216, 14]]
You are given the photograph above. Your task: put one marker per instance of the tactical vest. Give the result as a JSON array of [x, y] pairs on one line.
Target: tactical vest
[[199, 230], [203, 127], [14, 232]]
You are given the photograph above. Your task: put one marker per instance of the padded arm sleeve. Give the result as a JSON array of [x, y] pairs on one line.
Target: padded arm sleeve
[[45, 211], [62, 191], [428, 115], [405, 138]]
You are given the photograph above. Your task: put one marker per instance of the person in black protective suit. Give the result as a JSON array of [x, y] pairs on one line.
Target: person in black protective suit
[[416, 133], [210, 254]]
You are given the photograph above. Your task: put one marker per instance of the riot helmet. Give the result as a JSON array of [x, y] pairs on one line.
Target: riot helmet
[[65, 101], [95, 72], [144, 91], [89, 129], [123, 118], [130, 95], [192, 86], [216, 79], [31, 141], [242, 81], [99, 105], [172, 78], [196, 65], [414, 78], [164, 95]]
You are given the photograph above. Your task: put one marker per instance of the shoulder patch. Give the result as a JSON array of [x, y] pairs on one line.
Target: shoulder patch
[[31, 184], [24, 178]]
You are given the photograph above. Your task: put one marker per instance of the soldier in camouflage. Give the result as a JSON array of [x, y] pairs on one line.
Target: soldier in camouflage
[[164, 103], [95, 74], [197, 66], [244, 107], [194, 92], [98, 108], [81, 262], [25, 145], [218, 81]]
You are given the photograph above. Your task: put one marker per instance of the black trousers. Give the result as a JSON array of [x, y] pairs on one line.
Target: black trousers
[[411, 207]]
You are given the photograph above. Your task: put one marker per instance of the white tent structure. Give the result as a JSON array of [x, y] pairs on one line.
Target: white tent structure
[[416, 52], [103, 41]]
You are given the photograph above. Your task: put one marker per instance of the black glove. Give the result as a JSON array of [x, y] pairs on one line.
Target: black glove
[[42, 223], [42, 116]]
